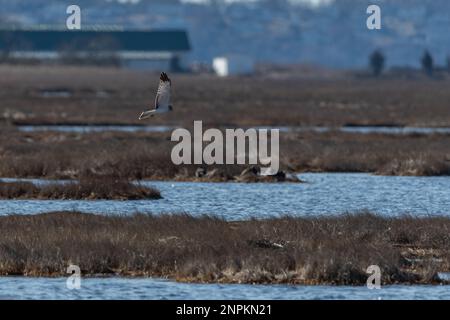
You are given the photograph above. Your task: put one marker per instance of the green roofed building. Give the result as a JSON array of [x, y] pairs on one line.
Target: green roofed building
[[162, 49]]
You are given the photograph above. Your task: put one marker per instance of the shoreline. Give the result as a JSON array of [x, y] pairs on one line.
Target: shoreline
[[143, 277], [328, 250], [86, 188]]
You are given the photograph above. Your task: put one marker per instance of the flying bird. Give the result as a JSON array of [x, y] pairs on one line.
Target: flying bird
[[162, 101]]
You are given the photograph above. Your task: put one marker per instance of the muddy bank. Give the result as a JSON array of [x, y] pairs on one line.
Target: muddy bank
[[321, 250]]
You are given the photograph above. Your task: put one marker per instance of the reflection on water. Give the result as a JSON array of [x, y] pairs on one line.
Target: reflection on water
[[155, 128], [143, 288], [324, 193]]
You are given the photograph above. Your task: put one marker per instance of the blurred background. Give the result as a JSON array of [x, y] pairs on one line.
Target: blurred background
[[232, 36]]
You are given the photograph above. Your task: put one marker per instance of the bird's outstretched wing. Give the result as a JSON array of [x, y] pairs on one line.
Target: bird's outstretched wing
[[146, 114], [162, 101], [163, 95]]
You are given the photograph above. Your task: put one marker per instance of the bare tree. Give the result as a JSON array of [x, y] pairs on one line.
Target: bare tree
[[428, 63], [376, 61]]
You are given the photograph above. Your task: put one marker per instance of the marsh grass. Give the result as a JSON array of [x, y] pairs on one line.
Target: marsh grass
[[92, 188], [310, 250], [147, 155]]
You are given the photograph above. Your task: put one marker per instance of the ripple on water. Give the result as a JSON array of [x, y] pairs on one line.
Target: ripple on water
[[127, 288], [324, 193]]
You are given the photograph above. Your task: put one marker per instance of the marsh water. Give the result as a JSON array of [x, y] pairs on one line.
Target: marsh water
[[93, 128], [322, 193], [147, 288], [395, 130]]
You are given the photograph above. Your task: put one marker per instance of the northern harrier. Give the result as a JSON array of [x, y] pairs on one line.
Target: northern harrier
[[162, 101]]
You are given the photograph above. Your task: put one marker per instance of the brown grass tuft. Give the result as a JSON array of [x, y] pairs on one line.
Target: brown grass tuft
[[108, 188]]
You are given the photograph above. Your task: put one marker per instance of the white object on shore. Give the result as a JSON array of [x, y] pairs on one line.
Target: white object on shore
[[232, 65]]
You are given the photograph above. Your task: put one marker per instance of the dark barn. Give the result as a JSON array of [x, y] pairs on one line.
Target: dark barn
[[163, 49]]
